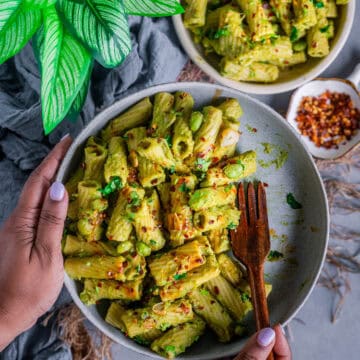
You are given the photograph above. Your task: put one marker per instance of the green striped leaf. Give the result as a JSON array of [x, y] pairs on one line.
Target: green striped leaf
[[153, 7], [8, 9], [17, 26], [79, 101], [64, 66], [101, 25]]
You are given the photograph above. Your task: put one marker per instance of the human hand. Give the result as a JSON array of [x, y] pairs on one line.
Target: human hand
[[260, 345], [31, 264]]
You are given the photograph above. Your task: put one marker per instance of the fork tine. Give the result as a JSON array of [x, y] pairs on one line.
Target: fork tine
[[251, 203], [262, 211]]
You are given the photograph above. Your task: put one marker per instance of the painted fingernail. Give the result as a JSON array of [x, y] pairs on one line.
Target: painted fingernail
[[265, 337], [57, 191], [64, 137]]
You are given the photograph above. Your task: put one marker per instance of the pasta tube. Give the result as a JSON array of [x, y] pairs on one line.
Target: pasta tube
[[95, 156], [137, 115], [91, 206], [195, 14], [305, 15], [116, 163], [259, 25], [173, 264], [147, 228], [219, 240], [120, 226], [163, 114], [205, 137], [157, 151], [229, 297], [73, 246], [231, 110], [234, 169], [113, 316], [106, 267], [182, 141], [159, 316], [216, 218], [209, 197], [193, 279], [230, 269], [283, 12], [205, 305], [95, 290], [176, 340], [255, 72], [184, 104]]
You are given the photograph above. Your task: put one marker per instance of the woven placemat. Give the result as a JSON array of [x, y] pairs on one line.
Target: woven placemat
[[343, 196]]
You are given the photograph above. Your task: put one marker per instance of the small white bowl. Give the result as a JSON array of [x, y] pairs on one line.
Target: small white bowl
[[315, 88], [289, 79]]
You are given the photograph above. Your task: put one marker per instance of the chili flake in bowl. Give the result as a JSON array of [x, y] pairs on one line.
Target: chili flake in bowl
[[326, 115], [329, 119]]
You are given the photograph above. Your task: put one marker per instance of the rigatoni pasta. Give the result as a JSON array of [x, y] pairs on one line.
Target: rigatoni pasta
[[151, 210], [254, 41]]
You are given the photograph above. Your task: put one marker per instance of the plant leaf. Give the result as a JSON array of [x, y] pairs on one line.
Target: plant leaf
[[64, 66], [79, 101], [102, 26], [153, 7], [18, 24]]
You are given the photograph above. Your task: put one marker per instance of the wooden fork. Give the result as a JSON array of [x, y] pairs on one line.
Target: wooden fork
[[251, 244]]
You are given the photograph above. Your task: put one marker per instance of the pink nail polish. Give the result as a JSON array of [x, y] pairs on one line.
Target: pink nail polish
[[57, 191], [265, 337]]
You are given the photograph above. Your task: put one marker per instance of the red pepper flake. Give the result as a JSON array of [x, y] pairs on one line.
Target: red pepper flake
[[118, 287], [216, 290], [125, 264], [99, 284], [201, 308], [266, 184], [110, 274], [172, 188], [184, 308], [203, 139], [329, 119], [212, 302], [144, 229], [154, 181]]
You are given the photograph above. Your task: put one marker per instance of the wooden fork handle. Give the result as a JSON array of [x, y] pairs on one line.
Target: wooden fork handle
[[257, 285]]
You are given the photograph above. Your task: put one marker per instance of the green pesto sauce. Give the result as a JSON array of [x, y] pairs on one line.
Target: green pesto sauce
[[279, 159]]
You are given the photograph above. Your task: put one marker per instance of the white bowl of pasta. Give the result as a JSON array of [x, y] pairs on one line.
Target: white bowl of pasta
[[147, 252], [252, 46]]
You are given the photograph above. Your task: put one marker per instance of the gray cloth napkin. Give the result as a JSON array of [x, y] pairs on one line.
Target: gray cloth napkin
[[156, 58]]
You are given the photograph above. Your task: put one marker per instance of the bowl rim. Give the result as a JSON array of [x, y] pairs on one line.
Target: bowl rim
[[171, 87], [265, 89]]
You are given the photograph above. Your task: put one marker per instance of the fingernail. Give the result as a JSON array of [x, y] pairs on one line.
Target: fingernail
[[282, 329], [57, 191], [265, 337], [64, 137]]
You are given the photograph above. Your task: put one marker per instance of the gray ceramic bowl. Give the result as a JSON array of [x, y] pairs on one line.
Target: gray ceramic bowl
[[300, 234]]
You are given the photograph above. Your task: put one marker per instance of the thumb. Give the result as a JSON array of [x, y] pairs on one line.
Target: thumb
[[258, 346], [51, 221]]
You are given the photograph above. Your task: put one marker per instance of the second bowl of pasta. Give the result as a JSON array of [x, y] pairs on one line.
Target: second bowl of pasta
[[264, 47], [152, 184]]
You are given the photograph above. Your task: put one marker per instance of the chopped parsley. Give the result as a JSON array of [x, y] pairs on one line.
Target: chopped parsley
[[172, 169], [231, 226], [202, 164], [245, 297], [318, 4], [130, 216], [97, 289], [204, 292], [138, 269], [152, 242], [294, 204], [275, 255], [170, 348], [184, 188], [228, 188], [164, 326], [325, 29], [125, 137], [140, 340], [168, 139], [144, 315], [114, 184], [294, 34], [213, 34], [134, 198], [179, 276]]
